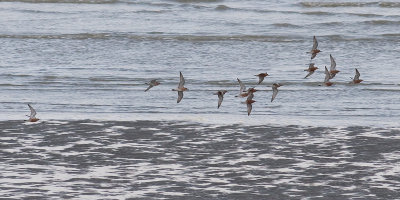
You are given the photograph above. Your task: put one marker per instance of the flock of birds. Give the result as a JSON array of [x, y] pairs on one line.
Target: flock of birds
[[249, 93]]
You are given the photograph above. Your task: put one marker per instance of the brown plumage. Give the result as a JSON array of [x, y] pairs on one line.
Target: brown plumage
[[311, 69], [356, 78], [32, 116], [314, 50], [261, 77], [180, 88]]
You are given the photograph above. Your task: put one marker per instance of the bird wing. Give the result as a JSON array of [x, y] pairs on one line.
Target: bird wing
[[309, 74], [260, 79], [182, 81], [249, 107], [180, 96], [313, 55], [315, 43], [327, 75], [357, 76], [274, 92], [333, 63], [220, 98], [33, 112], [150, 86], [242, 86]]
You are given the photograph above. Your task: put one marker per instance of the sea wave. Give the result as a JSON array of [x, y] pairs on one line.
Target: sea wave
[[350, 4], [159, 36], [65, 1], [156, 36]]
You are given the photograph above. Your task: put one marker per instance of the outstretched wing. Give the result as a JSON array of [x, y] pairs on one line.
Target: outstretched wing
[[357, 76], [274, 92], [180, 96], [220, 98], [33, 112], [242, 86], [150, 86], [249, 107], [260, 79], [327, 75], [309, 74], [182, 81], [333, 63], [315, 43]]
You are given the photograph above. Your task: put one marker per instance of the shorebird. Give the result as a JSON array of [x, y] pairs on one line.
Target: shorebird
[[220, 94], [333, 70], [327, 77], [356, 78], [249, 102], [32, 117], [275, 90], [180, 88], [242, 91], [314, 51], [311, 69], [151, 84], [261, 77]]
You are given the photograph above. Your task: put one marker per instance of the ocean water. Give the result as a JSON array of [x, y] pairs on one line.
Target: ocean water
[[82, 65]]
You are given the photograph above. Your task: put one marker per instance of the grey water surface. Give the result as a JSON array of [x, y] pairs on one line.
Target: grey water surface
[[82, 65]]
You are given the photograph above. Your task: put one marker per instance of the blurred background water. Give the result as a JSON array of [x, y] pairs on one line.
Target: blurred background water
[[83, 58], [83, 64]]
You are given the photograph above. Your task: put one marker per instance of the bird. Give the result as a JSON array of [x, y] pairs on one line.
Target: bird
[[356, 78], [311, 69], [327, 77], [151, 84], [261, 77], [180, 88], [32, 117], [332, 69], [249, 102], [314, 51], [220, 94], [242, 91], [275, 90]]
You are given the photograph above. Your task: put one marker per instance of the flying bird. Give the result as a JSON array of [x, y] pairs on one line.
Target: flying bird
[[32, 116], [275, 90], [261, 77], [311, 69], [327, 77], [332, 69], [314, 50], [356, 78], [220, 94], [151, 84], [242, 91], [180, 88], [249, 103]]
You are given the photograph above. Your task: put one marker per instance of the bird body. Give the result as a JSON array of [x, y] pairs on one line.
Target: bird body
[[332, 69], [311, 69], [356, 78], [275, 90], [180, 88], [249, 103], [32, 116], [314, 50], [261, 77], [220, 94], [151, 84]]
